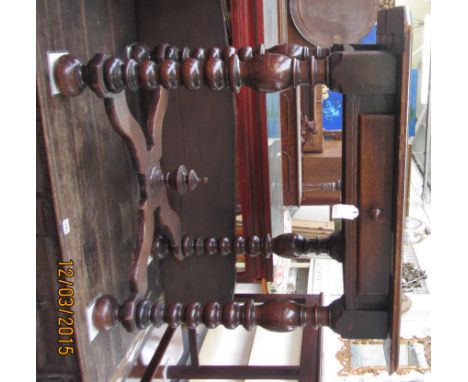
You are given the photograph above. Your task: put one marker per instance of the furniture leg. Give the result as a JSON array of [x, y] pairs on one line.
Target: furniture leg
[[269, 72], [276, 314], [288, 245]]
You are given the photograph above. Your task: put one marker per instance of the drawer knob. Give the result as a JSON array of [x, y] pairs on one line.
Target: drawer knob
[[375, 213]]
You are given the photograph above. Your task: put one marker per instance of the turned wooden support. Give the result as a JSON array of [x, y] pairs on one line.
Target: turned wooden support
[[288, 245], [106, 75], [279, 315]]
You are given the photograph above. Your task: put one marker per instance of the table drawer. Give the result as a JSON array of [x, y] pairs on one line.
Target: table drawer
[[375, 182]]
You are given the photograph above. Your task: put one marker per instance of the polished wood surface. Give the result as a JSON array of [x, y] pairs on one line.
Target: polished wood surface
[[376, 132], [309, 368], [47, 254], [395, 33], [389, 98], [275, 314], [287, 245], [270, 72]]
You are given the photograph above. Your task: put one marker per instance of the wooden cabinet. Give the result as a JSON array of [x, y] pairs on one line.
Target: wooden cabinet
[[321, 168], [300, 168]]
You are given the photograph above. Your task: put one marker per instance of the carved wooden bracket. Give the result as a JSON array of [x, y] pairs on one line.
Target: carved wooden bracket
[[153, 202]]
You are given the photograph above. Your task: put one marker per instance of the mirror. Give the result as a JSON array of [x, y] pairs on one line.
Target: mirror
[[358, 357]]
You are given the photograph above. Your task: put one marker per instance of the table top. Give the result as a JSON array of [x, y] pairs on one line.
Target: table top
[[93, 182], [397, 23], [79, 144]]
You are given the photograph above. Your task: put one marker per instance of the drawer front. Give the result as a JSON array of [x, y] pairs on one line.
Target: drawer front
[[375, 182]]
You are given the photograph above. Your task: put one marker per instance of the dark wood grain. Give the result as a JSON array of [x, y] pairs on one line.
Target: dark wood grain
[[270, 72], [308, 370], [91, 172], [275, 314], [395, 33], [286, 245], [376, 132], [389, 97], [203, 137], [48, 365]]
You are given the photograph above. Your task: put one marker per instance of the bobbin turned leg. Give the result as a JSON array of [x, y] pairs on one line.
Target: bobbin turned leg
[[277, 314], [288, 245], [269, 72]]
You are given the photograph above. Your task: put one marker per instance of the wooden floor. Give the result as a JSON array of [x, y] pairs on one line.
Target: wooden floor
[[92, 183]]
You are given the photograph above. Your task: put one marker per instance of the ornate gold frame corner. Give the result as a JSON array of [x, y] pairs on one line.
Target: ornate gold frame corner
[[344, 357]]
